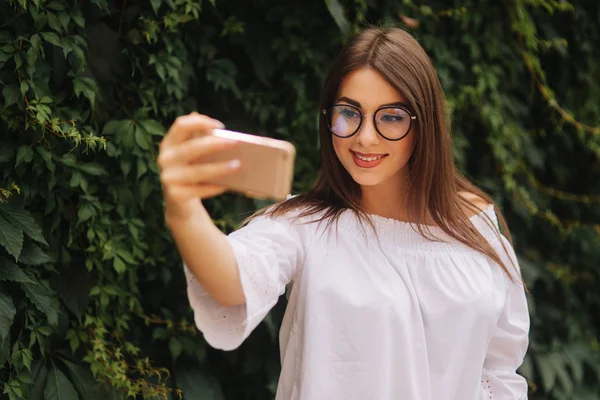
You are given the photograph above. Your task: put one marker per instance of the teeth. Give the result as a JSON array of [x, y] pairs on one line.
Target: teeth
[[368, 158]]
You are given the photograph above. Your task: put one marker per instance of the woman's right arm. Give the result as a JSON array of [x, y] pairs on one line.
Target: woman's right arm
[[232, 281], [204, 249]]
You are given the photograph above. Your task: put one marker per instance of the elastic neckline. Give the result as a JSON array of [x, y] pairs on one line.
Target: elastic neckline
[[392, 232]]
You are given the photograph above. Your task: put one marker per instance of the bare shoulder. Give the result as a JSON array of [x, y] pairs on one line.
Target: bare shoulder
[[475, 205]]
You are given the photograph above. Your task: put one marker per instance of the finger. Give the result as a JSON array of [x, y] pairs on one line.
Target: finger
[[199, 173], [193, 149], [186, 126], [181, 193]]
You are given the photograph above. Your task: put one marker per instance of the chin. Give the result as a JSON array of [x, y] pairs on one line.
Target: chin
[[368, 180]]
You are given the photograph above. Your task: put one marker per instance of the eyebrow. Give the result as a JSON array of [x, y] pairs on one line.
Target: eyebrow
[[357, 104]]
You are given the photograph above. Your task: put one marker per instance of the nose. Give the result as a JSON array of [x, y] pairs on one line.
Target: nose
[[367, 135]]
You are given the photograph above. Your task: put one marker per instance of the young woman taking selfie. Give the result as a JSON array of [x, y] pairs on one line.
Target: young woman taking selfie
[[400, 284]]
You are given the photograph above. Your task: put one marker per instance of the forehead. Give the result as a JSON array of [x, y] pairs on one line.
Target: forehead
[[369, 88]]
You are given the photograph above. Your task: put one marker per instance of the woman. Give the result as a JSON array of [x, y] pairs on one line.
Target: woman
[[400, 284]]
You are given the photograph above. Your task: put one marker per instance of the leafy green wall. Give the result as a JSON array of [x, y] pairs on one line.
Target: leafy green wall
[[91, 288]]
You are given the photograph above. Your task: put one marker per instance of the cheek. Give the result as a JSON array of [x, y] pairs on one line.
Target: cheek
[[403, 149]]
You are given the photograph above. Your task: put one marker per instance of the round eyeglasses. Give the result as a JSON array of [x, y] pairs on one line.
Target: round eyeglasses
[[392, 123]]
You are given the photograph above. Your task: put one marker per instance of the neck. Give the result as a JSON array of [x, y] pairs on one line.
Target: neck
[[386, 200]]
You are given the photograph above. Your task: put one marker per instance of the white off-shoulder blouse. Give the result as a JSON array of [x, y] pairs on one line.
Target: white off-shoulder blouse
[[384, 317]]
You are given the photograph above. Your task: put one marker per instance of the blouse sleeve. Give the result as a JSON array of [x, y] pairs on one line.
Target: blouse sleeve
[[510, 339], [268, 251]]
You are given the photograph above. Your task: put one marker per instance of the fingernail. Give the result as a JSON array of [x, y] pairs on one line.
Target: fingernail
[[235, 164], [219, 124]]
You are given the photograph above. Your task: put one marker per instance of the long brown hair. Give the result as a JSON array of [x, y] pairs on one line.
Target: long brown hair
[[435, 183]]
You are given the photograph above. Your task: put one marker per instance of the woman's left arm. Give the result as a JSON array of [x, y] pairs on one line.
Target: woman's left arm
[[510, 338]]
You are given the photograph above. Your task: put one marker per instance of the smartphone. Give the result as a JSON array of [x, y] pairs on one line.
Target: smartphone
[[267, 165]]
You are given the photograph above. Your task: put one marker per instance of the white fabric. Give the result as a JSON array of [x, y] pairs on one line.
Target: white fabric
[[392, 316]]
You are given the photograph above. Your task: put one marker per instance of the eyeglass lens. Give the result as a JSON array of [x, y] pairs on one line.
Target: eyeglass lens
[[392, 122]]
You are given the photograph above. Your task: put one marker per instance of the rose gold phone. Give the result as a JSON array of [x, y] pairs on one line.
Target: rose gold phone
[[267, 165]]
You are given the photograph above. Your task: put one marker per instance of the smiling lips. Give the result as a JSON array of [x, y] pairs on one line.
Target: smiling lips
[[367, 160]]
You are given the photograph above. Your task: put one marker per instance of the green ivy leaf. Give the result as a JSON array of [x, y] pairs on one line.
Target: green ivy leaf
[[78, 18], [11, 94], [25, 154], [69, 160], [18, 61], [33, 255], [87, 86], [126, 256], [47, 156], [85, 212], [85, 383], [64, 20], [54, 22], [142, 139], [43, 300], [58, 386], [76, 179], [126, 134], [11, 238], [575, 363], [11, 272], [116, 126], [126, 166], [56, 5], [547, 371], [73, 339], [146, 186], [102, 4], [27, 358], [153, 127], [142, 167], [24, 87], [155, 5], [562, 374], [39, 375], [7, 315], [337, 12], [175, 347], [31, 56], [5, 350], [4, 57], [93, 169], [119, 265], [52, 38], [22, 219]]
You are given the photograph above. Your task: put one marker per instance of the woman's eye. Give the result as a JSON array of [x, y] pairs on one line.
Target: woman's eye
[[347, 113], [392, 118]]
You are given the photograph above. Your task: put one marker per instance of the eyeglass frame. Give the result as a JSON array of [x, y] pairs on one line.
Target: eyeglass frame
[[362, 117]]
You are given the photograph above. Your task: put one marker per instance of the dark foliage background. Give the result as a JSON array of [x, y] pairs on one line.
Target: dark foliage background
[[92, 300]]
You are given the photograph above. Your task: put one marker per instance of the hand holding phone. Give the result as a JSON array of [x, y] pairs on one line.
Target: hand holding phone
[[199, 159], [267, 165], [185, 175]]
